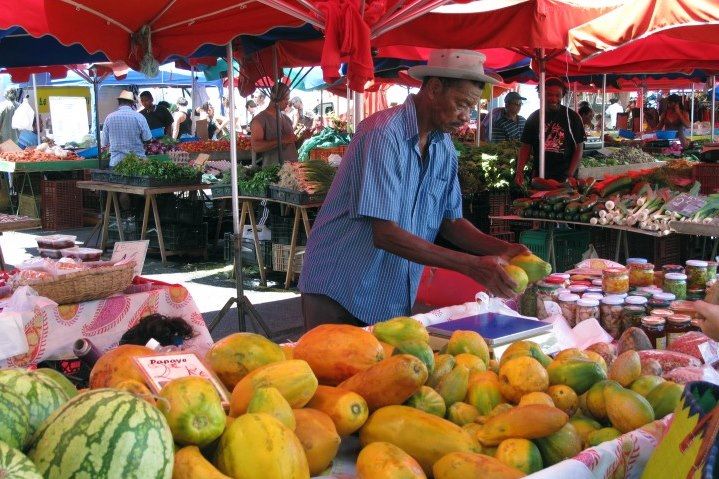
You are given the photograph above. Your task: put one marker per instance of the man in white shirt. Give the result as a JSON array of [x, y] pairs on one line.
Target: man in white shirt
[[611, 112]]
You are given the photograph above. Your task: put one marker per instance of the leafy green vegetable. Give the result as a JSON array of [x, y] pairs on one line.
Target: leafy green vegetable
[[133, 165]]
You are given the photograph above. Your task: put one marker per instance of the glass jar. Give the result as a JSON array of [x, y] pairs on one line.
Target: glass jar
[[568, 305], [641, 274], [662, 313], [697, 272], [586, 308], [677, 325], [631, 261], [655, 328], [635, 308], [711, 271], [595, 289], [615, 280], [673, 268], [564, 277], [676, 283], [597, 296], [610, 315], [597, 282], [546, 291], [684, 307], [578, 288], [660, 301], [643, 294], [696, 294]]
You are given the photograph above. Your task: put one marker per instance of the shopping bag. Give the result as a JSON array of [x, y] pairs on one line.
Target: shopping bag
[[689, 449], [23, 117]]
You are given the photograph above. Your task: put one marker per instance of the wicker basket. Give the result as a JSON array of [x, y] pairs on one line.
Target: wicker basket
[[87, 285], [281, 256], [324, 153]]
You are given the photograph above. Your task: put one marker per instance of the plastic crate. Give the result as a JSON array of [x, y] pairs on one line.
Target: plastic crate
[[281, 228], [130, 230], [323, 153], [281, 255], [179, 237], [219, 191], [254, 193], [249, 256], [295, 197], [569, 246], [708, 175], [175, 209], [100, 175], [61, 202], [537, 241], [657, 250]]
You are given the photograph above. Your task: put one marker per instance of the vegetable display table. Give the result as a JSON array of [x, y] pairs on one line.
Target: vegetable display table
[[248, 210], [149, 193], [15, 223]]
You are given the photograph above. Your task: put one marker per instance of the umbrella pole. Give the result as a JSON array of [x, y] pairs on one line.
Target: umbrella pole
[[542, 110], [479, 122], [277, 104], [37, 109], [714, 103], [490, 113], [691, 126], [642, 94], [96, 93], [604, 103], [358, 104]]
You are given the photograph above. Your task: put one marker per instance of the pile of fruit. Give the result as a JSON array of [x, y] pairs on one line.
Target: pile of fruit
[[39, 154], [207, 146]]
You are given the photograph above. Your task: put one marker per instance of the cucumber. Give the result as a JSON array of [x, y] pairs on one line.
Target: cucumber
[[585, 217], [558, 207], [588, 204], [573, 207]]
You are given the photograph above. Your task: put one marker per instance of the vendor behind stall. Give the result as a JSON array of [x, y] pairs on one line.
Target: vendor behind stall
[[395, 191], [125, 130], [264, 129], [157, 116], [675, 118]]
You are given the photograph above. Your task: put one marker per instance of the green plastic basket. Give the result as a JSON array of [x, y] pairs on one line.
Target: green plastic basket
[[569, 246], [537, 241]]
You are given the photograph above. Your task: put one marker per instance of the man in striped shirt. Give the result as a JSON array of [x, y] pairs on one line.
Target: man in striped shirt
[[510, 124], [125, 130], [395, 191]]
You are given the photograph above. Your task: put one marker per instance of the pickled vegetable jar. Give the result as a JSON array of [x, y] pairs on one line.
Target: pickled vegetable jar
[[676, 326], [711, 271], [631, 261], [696, 294], [660, 301], [641, 274], [697, 274], [568, 305], [656, 331], [587, 308], [615, 280], [610, 315], [676, 284]]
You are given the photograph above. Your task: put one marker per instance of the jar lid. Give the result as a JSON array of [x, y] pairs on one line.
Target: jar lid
[[697, 263], [568, 297], [679, 318], [620, 295], [683, 305], [667, 297], [712, 264], [614, 272], [649, 289], [636, 300], [552, 279], [564, 276], [561, 291], [653, 321], [578, 288], [662, 313], [696, 291], [613, 299], [597, 282], [596, 296], [644, 266], [595, 289], [676, 276], [588, 303], [636, 261]]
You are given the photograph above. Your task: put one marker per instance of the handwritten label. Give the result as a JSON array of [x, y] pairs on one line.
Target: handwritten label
[[131, 251], [686, 205]]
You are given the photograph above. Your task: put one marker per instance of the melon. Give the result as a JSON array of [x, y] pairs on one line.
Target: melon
[[60, 379], [15, 465], [15, 414], [102, 434], [42, 394]]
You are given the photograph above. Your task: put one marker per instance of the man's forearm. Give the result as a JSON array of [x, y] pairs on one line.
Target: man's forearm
[[465, 235], [523, 156], [576, 157]]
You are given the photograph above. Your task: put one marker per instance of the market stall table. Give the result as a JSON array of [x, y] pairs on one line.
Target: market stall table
[[52, 329], [149, 192]]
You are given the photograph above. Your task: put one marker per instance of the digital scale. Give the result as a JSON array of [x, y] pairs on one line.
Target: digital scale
[[593, 143], [498, 330]]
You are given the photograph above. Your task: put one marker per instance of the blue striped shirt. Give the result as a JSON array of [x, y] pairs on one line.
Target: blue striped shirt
[[125, 130], [381, 176]]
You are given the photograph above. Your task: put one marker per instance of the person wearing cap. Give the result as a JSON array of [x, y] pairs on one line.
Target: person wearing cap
[[157, 116], [395, 191], [510, 124], [564, 137], [125, 130]]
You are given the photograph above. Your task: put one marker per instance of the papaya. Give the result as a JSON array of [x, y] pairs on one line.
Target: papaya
[[570, 353], [336, 352], [293, 378], [473, 428], [534, 266], [604, 434], [499, 409], [536, 398], [117, 365], [428, 400], [584, 427], [520, 454], [137, 389], [645, 384], [520, 376], [462, 413], [389, 382], [288, 350], [626, 368], [561, 445], [484, 395], [419, 350], [564, 398], [519, 276], [234, 356], [384, 460], [425, 437], [347, 409], [318, 437], [526, 422], [479, 376], [270, 401], [577, 373], [525, 348], [443, 364], [596, 404], [461, 465], [400, 329], [453, 387], [626, 409], [471, 362], [597, 358], [493, 365], [190, 464], [468, 342], [664, 398], [388, 349]]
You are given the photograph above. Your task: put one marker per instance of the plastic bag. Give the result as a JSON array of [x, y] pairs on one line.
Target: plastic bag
[[590, 253], [18, 312], [23, 117]]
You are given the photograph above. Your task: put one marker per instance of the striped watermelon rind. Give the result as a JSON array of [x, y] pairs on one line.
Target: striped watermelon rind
[[104, 433], [14, 418], [15, 465], [43, 394]]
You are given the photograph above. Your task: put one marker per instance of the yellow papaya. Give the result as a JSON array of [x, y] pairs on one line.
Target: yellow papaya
[[645, 384], [596, 405], [584, 427], [534, 266], [484, 395], [561, 445], [236, 355], [564, 398], [664, 398], [471, 362], [526, 422], [518, 275], [570, 353], [382, 460], [461, 465], [428, 400], [400, 329], [520, 454], [270, 401], [191, 464], [626, 368], [418, 349], [525, 348], [347, 409], [626, 409], [520, 376], [536, 398], [453, 387], [604, 434], [468, 342], [462, 413], [318, 437], [443, 365]]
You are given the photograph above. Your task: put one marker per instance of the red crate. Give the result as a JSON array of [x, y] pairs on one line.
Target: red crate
[[61, 202], [708, 175]]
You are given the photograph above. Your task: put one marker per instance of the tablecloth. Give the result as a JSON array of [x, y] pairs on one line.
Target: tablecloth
[[53, 329]]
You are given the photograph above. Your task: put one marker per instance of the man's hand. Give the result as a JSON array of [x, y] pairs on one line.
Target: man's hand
[[489, 272], [514, 249], [710, 323]]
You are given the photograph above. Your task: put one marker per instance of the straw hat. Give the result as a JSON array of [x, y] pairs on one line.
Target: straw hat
[[449, 63], [126, 95]]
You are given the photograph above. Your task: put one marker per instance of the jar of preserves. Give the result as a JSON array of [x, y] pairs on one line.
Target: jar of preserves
[[697, 272], [677, 325], [655, 329], [676, 284], [660, 301], [595, 289], [610, 315], [586, 308], [662, 313], [631, 261], [568, 305], [578, 288], [597, 282], [615, 280], [684, 307], [546, 291], [597, 296], [641, 274], [711, 271], [635, 308], [563, 276], [643, 294]]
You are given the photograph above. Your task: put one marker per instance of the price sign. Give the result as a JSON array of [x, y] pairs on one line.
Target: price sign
[[686, 205]]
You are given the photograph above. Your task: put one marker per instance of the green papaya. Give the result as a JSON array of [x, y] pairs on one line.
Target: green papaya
[[664, 398], [577, 373], [535, 267], [626, 409], [428, 400], [525, 348], [453, 387], [584, 427], [443, 365], [418, 349], [645, 384], [484, 395], [400, 329], [559, 446], [602, 435]]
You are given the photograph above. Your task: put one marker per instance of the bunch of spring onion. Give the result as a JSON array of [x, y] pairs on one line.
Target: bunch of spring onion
[[707, 213], [646, 210]]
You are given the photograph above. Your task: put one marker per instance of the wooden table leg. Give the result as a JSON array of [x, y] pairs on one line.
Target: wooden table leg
[[220, 215], [158, 227], [293, 247], [306, 221], [118, 217], [260, 259], [106, 220], [145, 218]]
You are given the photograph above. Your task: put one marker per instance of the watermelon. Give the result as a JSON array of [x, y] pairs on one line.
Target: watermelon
[[60, 379], [43, 394], [15, 465], [15, 422], [104, 433]]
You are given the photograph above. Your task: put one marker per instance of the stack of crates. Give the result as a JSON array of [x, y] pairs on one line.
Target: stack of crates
[[569, 245], [183, 225]]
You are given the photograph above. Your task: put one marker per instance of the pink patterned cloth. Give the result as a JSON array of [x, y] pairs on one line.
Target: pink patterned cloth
[[53, 329]]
